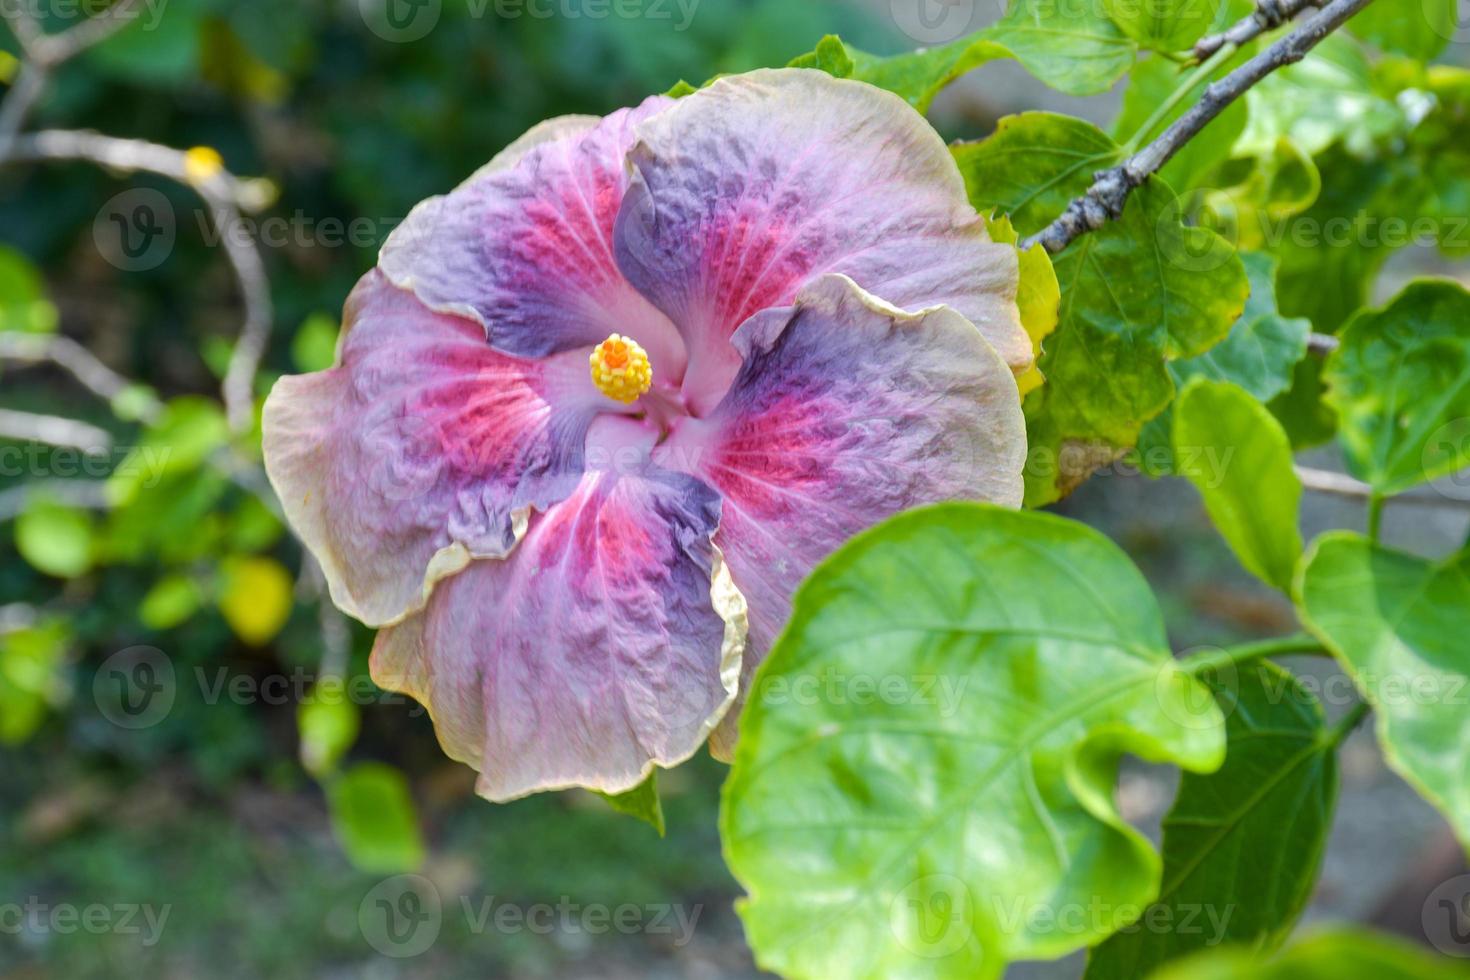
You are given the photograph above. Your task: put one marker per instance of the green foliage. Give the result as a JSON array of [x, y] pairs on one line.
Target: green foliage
[[328, 722], [1075, 49], [1325, 956], [31, 679], [641, 802], [374, 817], [23, 303], [1259, 355], [55, 539], [1239, 459], [1400, 383], [1397, 624], [864, 825], [1167, 26], [1242, 844]]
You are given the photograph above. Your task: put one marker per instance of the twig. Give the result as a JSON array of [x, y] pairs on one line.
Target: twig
[[1268, 15], [88, 494], [1322, 344], [53, 431], [81, 364], [1104, 201], [226, 196], [55, 49], [1342, 485]]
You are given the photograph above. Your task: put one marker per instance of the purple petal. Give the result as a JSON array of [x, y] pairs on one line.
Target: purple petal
[[608, 643], [422, 449], [845, 412], [750, 188], [524, 246]]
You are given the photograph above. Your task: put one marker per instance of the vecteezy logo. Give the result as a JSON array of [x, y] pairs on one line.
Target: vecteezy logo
[[401, 21], [933, 917], [1198, 231], [135, 688], [1446, 917], [136, 230], [401, 916], [933, 21]]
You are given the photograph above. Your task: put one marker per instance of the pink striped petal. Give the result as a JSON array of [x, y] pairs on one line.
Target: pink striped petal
[[421, 449], [752, 187], [845, 411], [607, 644], [525, 245]]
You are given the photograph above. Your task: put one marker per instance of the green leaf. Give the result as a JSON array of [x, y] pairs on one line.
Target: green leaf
[[1239, 459], [641, 802], [1242, 845], [1038, 296], [1164, 25], [1259, 355], [375, 820], [314, 348], [1421, 32], [1073, 48], [190, 430], [1331, 253], [171, 602], [1325, 956], [1140, 291], [54, 538], [1400, 382], [1398, 625], [1327, 97], [23, 303], [31, 681], [1033, 165], [328, 722], [928, 758]]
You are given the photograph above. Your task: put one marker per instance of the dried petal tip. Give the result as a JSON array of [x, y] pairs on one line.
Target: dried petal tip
[[620, 369]]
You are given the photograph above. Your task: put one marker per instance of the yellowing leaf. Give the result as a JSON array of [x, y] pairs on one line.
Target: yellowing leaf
[[255, 598]]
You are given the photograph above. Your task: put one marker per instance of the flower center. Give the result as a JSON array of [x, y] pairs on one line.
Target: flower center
[[620, 369]]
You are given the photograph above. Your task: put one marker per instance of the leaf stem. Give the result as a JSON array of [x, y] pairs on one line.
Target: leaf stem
[[1246, 653], [1345, 726], [1375, 516], [1175, 97]]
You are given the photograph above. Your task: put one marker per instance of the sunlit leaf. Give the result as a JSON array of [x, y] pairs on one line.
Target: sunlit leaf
[[375, 819], [328, 722], [1344, 955], [1398, 625], [54, 538], [1241, 845], [1400, 382], [929, 755], [172, 601]]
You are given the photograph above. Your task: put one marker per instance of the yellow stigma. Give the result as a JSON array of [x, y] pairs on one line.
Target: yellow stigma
[[620, 369]]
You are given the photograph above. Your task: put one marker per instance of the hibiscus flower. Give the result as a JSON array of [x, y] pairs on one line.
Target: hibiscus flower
[[598, 412]]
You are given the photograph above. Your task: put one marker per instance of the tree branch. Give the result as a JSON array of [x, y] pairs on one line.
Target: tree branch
[[1268, 15], [1106, 198], [81, 364], [52, 430], [1342, 485], [226, 195]]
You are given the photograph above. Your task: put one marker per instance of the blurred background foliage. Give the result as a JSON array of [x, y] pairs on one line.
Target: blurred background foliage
[[276, 787], [273, 793]]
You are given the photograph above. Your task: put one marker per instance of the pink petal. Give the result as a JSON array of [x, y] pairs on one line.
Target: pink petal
[[422, 449], [845, 412], [750, 188], [607, 644], [524, 246]]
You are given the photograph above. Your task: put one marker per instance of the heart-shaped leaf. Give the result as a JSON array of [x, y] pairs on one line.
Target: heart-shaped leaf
[[1401, 383], [1398, 624], [924, 782], [1241, 845]]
